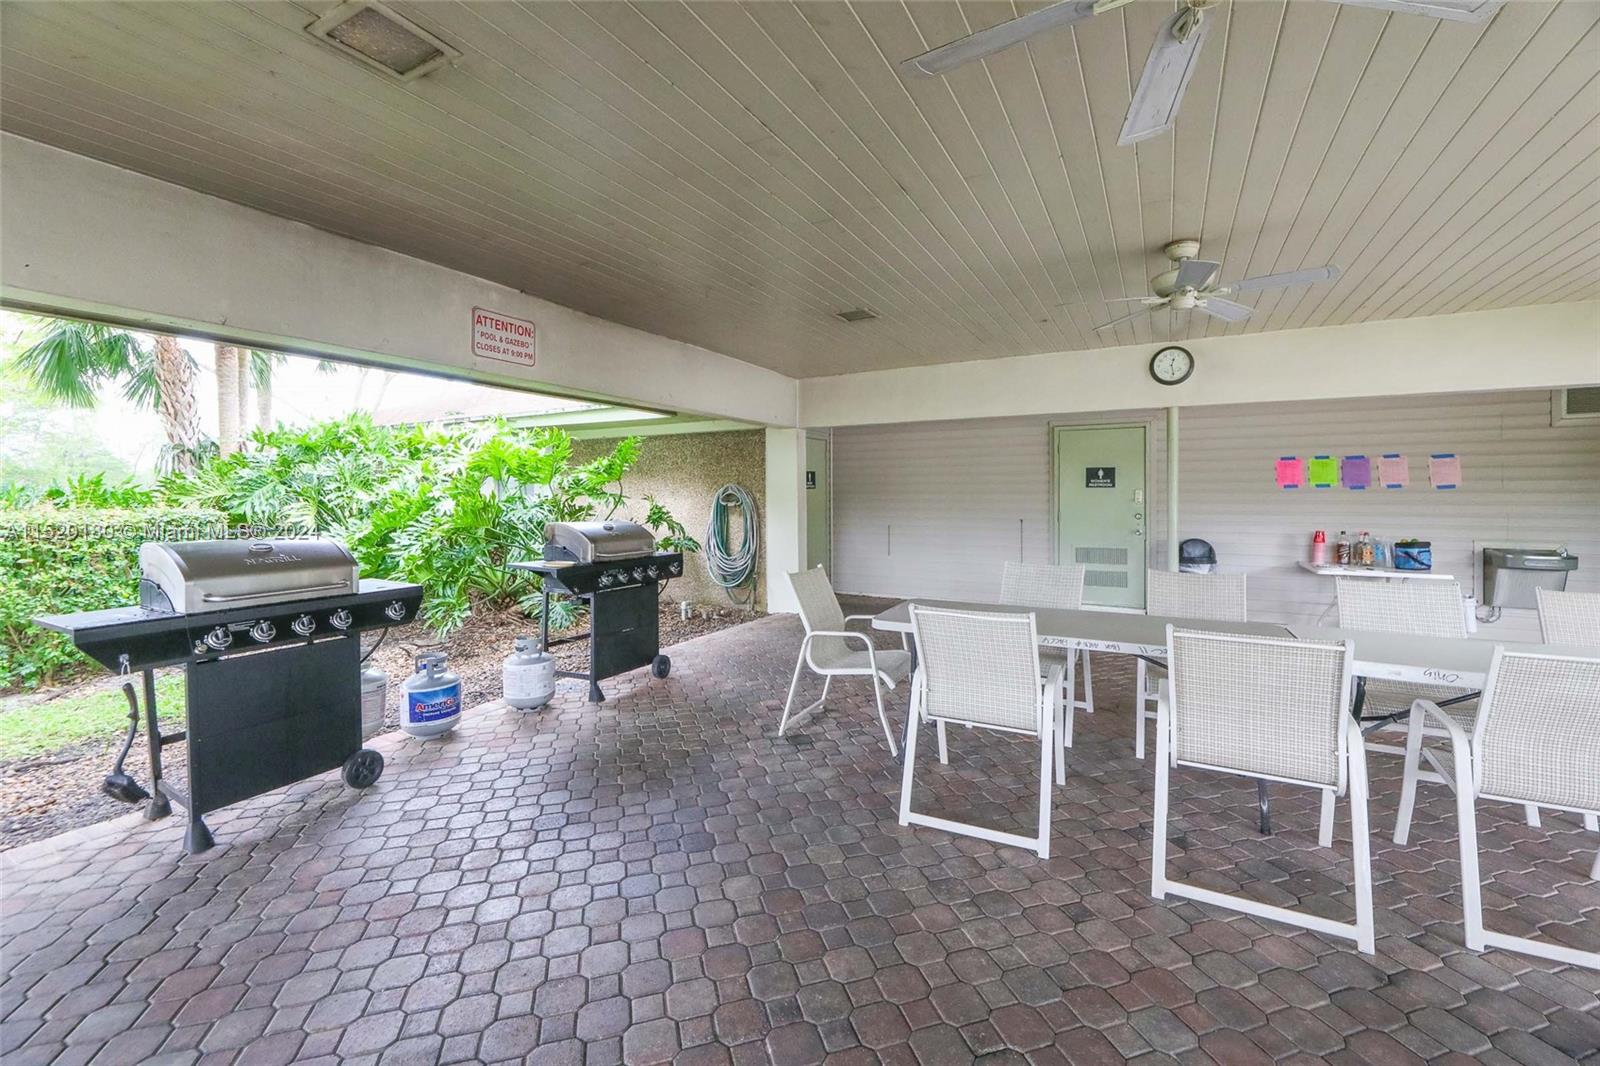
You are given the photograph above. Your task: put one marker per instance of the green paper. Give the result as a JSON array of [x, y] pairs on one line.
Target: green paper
[[1324, 472]]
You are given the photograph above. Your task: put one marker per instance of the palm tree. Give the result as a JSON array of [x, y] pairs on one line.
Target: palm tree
[[227, 399], [74, 358], [262, 365]]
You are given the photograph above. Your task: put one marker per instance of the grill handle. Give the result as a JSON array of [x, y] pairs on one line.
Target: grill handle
[[212, 597]]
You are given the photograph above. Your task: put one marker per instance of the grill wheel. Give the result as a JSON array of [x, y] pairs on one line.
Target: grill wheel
[[363, 768]]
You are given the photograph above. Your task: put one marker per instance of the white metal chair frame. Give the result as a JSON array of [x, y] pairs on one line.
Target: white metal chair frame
[[1212, 597], [1352, 777], [879, 675], [1046, 712], [1468, 766], [1049, 586], [1424, 608]]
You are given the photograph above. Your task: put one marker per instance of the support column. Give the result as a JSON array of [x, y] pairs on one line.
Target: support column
[[1172, 489], [785, 524]]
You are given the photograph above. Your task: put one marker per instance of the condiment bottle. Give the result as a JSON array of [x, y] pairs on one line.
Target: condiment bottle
[[1341, 550]]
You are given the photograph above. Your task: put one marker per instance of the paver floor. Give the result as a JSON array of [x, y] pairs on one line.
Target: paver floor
[[660, 878]]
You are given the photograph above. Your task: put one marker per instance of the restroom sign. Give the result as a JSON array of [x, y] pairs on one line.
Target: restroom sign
[[502, 338], [1100, 477]]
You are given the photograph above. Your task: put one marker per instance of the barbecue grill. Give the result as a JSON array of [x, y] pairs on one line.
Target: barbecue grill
[[614, 567], [268, 635]]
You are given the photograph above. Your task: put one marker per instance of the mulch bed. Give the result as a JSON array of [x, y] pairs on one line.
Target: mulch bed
[[49, 794]]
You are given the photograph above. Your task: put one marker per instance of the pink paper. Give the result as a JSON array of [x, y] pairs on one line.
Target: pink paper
[[1444, 470], [1394, 472], [1291, 472]]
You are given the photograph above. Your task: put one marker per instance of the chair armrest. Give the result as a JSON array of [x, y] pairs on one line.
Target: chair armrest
[[848, 634], [1458, 736], [858, 618]]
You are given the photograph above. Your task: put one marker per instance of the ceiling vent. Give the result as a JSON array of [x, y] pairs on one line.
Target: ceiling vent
[[859, 314], [382, 39]]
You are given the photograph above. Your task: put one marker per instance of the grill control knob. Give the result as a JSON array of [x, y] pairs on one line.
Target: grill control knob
[[638, 573], [606, 579], [395, 610], [219, 638], [340, 619], [675, 566], [305, 625], [654, 571], [263, 631]]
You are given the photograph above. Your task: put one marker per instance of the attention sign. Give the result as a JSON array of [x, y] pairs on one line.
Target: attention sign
[[503, 338]]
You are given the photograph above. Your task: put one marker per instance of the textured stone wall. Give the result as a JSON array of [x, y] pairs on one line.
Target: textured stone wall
[[682, 470]]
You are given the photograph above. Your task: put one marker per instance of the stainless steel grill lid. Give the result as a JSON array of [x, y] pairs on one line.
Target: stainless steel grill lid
[[597, 542], [211, 575]]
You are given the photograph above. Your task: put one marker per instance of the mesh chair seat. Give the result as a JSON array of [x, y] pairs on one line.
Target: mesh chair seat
[[1569, 617], [893, 663], [1396, 697]]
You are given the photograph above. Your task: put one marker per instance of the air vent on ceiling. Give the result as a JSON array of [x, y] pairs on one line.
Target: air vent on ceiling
[[383, 39], [858, 314]]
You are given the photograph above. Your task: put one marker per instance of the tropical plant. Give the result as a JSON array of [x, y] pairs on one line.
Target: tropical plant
[[73, 359]]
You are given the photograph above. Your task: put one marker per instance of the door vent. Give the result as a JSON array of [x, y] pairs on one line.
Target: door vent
[[1106, 579], [383, 39], [1577, 405], [1101, 556]]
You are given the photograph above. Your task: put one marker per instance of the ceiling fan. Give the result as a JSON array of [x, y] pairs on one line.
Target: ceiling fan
[[1191, 285], [1173, 58]]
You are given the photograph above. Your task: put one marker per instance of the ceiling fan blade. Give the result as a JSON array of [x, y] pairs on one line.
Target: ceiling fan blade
[[1166, 75], [1309, 276], [1148, 300], [1453, 10], [1194, 273], [1227, 310], [987, 42], [1120, 321]]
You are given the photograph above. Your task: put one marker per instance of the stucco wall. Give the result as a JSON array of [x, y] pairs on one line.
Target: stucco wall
[[682, 470]]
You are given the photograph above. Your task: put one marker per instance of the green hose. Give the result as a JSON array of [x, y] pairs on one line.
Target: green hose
[[728, 566]]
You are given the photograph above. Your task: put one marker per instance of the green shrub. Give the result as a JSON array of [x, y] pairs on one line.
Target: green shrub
[[55, 561]]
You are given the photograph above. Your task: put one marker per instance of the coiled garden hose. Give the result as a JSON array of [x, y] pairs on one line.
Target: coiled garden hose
[[728, 566]]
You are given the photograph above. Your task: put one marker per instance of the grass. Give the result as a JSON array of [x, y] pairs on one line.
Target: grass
[[31, 729]]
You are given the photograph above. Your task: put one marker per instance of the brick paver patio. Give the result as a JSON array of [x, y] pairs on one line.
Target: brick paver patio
[[661, 879]]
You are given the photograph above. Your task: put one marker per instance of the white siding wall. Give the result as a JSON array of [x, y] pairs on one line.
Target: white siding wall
[[953, 493], [936, 508]]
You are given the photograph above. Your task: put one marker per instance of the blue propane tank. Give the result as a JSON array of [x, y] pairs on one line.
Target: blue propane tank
[[433, 698]]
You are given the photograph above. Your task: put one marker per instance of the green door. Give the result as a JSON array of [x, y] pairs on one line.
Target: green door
[[1100, 510]]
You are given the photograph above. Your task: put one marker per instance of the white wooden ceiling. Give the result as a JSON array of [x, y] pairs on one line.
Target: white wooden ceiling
[[734, 174]]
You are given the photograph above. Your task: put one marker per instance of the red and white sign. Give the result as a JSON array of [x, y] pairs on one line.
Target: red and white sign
[[503, 338]]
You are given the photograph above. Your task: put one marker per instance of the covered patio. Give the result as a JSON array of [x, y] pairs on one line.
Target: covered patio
[[661, 879]]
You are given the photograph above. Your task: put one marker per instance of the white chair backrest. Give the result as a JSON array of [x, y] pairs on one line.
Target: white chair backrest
[[1569, 617], [1537, 734], [1042, 585], [1418, 608], [820, 610], [1215, 597], [1259, 705], [979, 667]]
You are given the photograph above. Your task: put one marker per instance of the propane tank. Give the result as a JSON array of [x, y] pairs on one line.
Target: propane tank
[[374, 697], [528, 679], [433, 698]]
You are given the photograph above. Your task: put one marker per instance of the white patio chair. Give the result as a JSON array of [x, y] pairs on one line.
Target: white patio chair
[[1275, 710], [981, 670], [1061, 588], [1213, 597], [1569, 617], [832, 651], [1417, 608], [1536, 740]]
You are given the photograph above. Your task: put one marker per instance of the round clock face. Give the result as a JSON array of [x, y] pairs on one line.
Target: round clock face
[[1171, 365]]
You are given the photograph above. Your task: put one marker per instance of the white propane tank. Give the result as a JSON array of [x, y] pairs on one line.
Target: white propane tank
[[528, 679], [374, 697], [433, 698]]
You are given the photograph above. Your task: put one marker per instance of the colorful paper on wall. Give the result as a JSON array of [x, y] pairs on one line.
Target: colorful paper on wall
[[1444, 470], [1291, 472], [1394, 472], [1324, 472], [1356, 472]]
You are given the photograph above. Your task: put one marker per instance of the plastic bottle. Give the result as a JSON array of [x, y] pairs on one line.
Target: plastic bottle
[[528, 678], [1341, 550], [1363, 552]]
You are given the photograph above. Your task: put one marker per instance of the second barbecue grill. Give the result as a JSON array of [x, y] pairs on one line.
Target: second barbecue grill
[[615, 569]]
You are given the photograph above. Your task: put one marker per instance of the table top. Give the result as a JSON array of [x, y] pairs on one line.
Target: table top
[[1398, 657], [1334, 570]]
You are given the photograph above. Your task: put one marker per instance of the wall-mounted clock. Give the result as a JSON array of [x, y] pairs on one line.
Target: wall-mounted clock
[[1172, 365]]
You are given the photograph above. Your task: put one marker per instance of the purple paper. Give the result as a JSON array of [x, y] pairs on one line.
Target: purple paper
[[1355, 472]]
